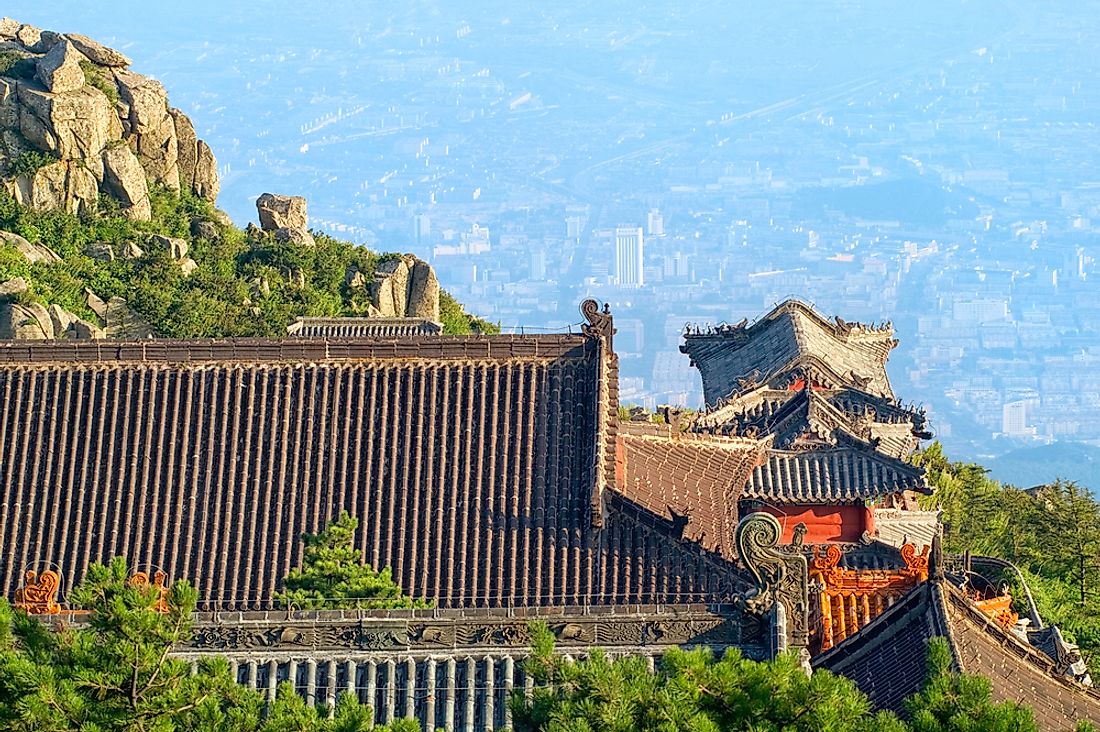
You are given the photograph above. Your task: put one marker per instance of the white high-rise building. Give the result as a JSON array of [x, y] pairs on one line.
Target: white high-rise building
[[655, 223], [629, 259]]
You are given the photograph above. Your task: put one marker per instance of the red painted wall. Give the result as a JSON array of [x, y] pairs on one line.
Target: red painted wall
[[823, 523]]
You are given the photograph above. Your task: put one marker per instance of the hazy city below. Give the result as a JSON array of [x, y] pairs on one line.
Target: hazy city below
[[934, 164]]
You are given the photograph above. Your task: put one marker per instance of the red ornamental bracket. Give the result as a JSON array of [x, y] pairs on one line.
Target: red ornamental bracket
[[160, 581], [38, 595]]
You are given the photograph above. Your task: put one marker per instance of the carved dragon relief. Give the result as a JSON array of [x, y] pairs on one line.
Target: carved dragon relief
[[780, 576], [733, 629]]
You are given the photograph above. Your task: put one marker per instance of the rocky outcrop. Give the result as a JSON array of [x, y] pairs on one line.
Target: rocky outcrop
[[86, 109], [282, 212], [13, 288], [177, 249], [59, 70], [286, 217], [405, 287], [97, 53], [34, 253], [124, 180], [423, 292], [38, 322]]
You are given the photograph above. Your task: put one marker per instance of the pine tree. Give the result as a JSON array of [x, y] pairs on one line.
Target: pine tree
[[691, 690], [115, 672], [1074, 530], [334, 575], [954, 702]]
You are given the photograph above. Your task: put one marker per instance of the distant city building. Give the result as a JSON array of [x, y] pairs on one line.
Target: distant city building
[[574, 225], [1014, 419], [655, 223], [629, 250], [422, 228], [538, 264]]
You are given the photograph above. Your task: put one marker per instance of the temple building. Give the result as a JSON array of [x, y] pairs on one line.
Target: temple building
[[495, 476]]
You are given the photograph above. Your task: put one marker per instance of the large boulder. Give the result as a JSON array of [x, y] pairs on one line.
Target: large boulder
[[300, 237], [97, 52], [152, 129], [423, 292], [176, 248], [25, 322], [34, 253], [8, 29], [67, 325], [66, 184], [59, 70], [158, 152], [203, 229], [206, 183], [13, 288], [282, 212], [72, 126], [145, 98], [29, 36], [390, 292], [124, 179], [187, 144]]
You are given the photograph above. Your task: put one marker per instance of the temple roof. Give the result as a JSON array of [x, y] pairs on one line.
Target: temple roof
[[848, 473], [793, 342], [693, 481], [805, 418], [479, 467], [362, 327], [888, 658]]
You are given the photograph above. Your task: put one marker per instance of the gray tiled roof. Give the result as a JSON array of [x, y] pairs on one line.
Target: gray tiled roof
[[472, 463], [793, 336], [843, 474], [362, 327], [794, 418], [887, 659]]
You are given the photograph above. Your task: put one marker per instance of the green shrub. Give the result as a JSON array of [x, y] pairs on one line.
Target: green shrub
[[28, 163], [16, 66], [99, 78], [243, 286]]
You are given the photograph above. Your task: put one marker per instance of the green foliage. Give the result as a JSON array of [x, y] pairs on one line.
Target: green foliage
[[456, 321], [101, 79], [1052, 533], [690, 690], [953, 702], [16, 65], [333, 574], [244, 286], [28, 163], [115, 672]]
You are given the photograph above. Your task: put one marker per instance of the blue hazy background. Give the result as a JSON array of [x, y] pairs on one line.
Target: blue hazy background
[[933, 164]]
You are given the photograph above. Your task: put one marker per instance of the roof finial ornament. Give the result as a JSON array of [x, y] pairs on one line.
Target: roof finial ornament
[[38, 595], [781, 576], [600, 324]]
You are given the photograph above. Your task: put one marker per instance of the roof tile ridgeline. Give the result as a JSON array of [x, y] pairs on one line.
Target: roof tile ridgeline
[[888, 658], [791, 338], [845, 474], [693, 481]]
